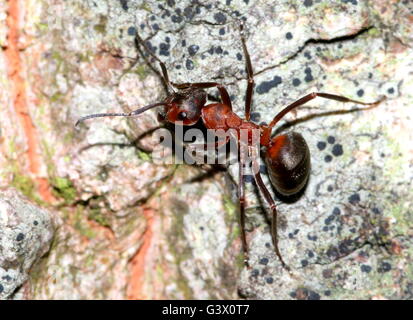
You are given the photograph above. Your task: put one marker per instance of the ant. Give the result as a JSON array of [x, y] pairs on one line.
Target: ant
[[287, 156]]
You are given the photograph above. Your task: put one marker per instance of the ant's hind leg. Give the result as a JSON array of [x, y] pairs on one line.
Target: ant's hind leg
[[270, 201], [241, 195]]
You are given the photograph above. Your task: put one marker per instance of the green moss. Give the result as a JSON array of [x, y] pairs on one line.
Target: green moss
[[141, 72], [26, 186], [373, 32], [80, 224], [63, 188], [100, 28], [97, 216], [144, 156]]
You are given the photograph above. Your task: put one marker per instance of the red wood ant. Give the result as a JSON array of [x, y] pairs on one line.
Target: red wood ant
[[287, 156]]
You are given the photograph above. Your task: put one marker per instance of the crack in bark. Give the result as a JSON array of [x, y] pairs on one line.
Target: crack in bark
[[317, 41]]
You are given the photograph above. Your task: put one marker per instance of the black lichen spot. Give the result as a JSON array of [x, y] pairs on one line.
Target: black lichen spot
[[321, 145], [296, 82], [266, 86], [370, 75], [183, 43], [354, 198], [124, 4], [312, 238], [308, 3], [248, 178], [365, 268], [304, 263], [176, 19], [336, 211], [220, 17], [35, 222], [256, 116], [327, 293], [170, 3], [246, 1], [178, 67], [218, 50], [384, 267], [390, 90], [308, 76], [313, 295], [20, 237], [201, 228], [333, 253], [337, 150], [307, 55], [288, 35], [155, 26], [331, 139], [310, 254], [376, 210], [228, 2], [131, 31], [189, 64], [255, 273], [345, 247], [264, 261], [222, 31], [193, 49], [6, 277], [329, 219], [269, 280], [1, 288], [330, 188], [267, 245], [189, 13], [328, 158], [360, 92], [325, 229], [164, 49], [239, 56]]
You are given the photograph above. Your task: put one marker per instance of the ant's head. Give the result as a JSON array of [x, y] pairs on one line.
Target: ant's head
[[185, 106]]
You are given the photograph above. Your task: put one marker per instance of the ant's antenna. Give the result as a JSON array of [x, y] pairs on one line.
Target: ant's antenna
[[129, 114]]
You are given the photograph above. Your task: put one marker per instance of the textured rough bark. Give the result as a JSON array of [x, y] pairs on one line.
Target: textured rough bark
[[127, 227]]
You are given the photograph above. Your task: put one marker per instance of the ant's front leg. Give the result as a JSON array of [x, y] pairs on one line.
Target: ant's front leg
[[205, 85], [250, 73]]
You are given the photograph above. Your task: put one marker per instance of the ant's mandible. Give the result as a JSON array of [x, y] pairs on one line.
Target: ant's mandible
[[287, 156]]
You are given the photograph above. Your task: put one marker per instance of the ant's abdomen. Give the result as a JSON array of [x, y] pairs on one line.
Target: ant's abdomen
[[288, 163]]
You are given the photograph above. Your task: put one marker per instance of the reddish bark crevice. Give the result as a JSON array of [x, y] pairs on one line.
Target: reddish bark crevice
[[138, 262], [19, 98]]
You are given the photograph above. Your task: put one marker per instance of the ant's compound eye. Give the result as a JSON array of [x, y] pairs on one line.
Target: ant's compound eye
[[182, 116]]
